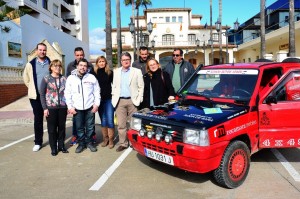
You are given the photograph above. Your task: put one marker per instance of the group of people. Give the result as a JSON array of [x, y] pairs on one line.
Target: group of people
[[86, 90]]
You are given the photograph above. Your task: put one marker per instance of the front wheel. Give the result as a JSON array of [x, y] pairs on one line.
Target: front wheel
[[234, 166]]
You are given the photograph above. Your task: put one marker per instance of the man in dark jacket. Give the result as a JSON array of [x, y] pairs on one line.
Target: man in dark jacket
[[179, 69], [142, 60], [79, 54]]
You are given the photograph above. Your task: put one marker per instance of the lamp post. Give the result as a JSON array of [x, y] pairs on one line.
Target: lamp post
[[204, 48], [197, 45], [227, 34], [219, 29], [139, 34], [210, 42], [153, 45]]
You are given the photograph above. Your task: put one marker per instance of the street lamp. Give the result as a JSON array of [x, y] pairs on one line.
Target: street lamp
[[132, 31], [227, 34], [139, 34], [197, 45], [204, 47], [219, 29], [153, 45]]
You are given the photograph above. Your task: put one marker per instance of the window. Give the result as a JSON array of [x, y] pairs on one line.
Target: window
[[145, 40], [55, 9], [34, 1], [191, 39], [180, 19], [173, 19], [167, 19], [286, 18], [168, 40], [123, 39], [154, 19], [215, 37], [289, 88], [297, 18], [45, 4]]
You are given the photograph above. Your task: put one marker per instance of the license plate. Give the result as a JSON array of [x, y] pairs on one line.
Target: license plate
[[159, 156]]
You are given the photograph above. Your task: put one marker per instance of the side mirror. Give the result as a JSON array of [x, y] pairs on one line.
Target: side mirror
[[271, 100]]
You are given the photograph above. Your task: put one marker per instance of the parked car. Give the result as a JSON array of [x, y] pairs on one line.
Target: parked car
[[223, 115]]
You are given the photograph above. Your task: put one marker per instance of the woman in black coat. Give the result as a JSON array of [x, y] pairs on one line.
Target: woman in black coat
[[158, 87]]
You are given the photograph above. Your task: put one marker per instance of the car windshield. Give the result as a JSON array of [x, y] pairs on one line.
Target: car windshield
[[236, 84]]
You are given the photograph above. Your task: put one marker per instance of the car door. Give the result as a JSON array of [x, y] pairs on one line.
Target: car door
[[279, 112]]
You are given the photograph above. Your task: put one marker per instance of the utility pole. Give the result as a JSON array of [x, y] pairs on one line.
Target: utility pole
[[292, 49], [262, 29]]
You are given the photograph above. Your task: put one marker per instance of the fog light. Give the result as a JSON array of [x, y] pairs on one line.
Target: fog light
[[150, 134], [158, 137], [142, 132], [168, 138]]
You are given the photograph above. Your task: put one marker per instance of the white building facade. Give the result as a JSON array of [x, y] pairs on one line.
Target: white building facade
[[176, 28], [69, 16]]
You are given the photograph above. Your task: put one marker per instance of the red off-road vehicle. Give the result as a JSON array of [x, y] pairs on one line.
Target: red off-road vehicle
[[223, 114]]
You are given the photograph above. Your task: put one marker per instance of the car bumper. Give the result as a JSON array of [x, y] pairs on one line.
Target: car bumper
[[185, 156]]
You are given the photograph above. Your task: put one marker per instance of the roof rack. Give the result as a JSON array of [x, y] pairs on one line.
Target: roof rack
[[291, 60], [263, 60]]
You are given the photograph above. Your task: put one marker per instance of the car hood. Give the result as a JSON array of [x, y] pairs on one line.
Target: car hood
[[192, 116]]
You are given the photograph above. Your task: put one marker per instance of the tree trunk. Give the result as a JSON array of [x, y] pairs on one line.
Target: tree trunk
[[211, 37], [220, 33], [262, 29], [292, 48], [119, 41], [108, 32]]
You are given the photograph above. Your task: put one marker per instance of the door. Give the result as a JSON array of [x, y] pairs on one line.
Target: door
[[279, 111]]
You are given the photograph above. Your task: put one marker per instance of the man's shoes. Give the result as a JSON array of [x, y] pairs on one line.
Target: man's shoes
[[36, 148], [94, 139], [63, 150], [79, 149], [92, 147], [54, 152], [121, 148], [73, 141]]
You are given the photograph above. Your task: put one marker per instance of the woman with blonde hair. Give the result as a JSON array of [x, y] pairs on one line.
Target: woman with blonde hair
[[104, 75], [158, 87], [54, 104]]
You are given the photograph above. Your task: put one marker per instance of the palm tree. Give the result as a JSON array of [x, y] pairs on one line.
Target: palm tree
[[262, 29], [119, 41], [137, 4], [108, 32], [292, 30]]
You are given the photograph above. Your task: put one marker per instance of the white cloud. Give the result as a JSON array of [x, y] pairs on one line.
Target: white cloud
[[97, 41]]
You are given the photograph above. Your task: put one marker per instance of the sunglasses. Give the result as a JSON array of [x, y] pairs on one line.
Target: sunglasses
[[176, 55]]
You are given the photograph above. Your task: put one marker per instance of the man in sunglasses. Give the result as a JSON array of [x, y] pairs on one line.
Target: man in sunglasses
[[179, 69]]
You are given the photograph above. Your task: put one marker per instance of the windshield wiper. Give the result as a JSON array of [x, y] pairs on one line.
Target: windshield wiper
[[198, 95]]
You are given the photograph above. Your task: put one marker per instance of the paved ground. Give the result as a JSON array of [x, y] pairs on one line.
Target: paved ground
[[108, 174]]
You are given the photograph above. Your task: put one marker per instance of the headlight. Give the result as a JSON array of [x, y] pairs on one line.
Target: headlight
[[136, 123], [196, 137]]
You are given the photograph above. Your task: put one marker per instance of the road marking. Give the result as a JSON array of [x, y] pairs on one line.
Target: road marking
[[292, 171], [16, 142], [101, 181], [25, 138]]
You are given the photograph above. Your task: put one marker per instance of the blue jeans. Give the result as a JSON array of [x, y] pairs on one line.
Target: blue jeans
[[106, 113], [85, 122]]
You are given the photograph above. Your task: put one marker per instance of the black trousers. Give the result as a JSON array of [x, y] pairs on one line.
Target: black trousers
[[38, 113], [56, 124]]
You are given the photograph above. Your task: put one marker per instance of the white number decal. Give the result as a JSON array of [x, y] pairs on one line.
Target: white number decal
[[291, 142], [266, 142], [278, 142]]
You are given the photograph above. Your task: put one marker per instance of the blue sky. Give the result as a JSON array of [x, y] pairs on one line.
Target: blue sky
[[231, 10]]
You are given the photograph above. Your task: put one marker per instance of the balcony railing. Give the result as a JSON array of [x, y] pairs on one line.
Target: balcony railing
[[11, 75]]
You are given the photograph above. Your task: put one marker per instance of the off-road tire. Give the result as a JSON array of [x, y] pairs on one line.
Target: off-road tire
[[234, 166]]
